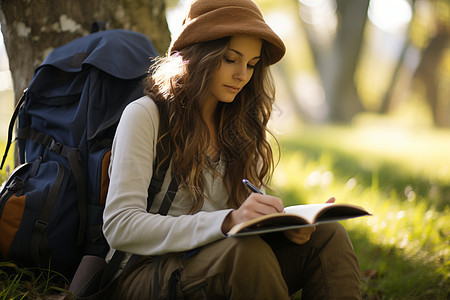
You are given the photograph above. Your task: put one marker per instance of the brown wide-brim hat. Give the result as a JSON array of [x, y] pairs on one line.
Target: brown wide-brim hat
[[209, 20]]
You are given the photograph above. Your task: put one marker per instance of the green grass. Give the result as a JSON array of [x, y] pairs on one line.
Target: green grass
[[25, 283], [400, 174]]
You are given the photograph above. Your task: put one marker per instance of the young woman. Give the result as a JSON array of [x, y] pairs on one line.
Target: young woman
[[215, 84]]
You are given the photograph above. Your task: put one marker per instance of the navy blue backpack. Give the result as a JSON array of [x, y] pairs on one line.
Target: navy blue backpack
[[51, 206]]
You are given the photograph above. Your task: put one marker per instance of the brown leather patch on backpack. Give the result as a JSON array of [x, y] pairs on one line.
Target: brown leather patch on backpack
[[10, 222]]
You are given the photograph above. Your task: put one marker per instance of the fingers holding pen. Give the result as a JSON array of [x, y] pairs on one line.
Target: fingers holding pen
[[263, 203], [257, 205]]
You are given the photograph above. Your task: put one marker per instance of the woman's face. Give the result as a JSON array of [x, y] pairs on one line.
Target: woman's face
[[236, 68]]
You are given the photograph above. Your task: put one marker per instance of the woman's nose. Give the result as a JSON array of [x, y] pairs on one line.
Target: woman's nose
[[241, 73]]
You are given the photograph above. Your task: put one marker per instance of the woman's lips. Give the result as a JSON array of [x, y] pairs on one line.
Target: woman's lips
[[233, 89]]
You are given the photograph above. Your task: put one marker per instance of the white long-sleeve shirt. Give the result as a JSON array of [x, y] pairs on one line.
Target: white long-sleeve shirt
[[127, 225]]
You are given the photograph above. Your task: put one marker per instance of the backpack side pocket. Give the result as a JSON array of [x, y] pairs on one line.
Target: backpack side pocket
[[41, 218], [11, 207]]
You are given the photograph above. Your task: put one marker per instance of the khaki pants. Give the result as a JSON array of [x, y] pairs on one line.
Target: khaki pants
[[251, 267]]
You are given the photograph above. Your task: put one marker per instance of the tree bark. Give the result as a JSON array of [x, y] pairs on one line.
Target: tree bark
[[336, 61], [341, 90], [428, 73], [32, 29]]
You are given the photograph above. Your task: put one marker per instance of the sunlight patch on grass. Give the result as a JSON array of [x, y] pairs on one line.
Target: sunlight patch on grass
[[418, 150]]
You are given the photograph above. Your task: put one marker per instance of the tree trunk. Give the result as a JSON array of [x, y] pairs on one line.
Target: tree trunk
[[341, 89], [428, 73], [31, 29], [388, 97], [336, 61]]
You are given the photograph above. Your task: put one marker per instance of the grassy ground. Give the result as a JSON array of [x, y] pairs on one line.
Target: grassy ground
[[401, 175], [23, 283]]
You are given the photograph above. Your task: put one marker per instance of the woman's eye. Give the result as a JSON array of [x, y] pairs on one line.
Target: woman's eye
[[229, 60], [251, 66]]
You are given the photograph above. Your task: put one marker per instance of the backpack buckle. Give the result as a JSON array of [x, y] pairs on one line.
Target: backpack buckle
[[40, 226], [56, 147]]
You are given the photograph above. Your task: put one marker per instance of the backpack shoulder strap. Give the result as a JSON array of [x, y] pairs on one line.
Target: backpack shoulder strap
[[11, 128], [160, 167], [161, 164]]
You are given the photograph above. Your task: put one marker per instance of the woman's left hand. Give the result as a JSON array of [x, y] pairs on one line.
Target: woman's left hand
[[302, 235]]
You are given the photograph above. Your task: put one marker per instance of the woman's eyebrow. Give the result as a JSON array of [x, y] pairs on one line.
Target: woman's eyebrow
[[240, 54]]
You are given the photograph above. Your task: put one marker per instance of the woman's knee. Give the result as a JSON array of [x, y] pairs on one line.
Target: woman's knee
[[330, 233], [248, 262], [248, 250], [236, 267]]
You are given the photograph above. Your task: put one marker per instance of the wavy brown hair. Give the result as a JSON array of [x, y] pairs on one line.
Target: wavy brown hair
[[180, 82]]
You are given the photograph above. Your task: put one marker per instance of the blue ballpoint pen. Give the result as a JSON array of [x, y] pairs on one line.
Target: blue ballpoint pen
[[251, 186]]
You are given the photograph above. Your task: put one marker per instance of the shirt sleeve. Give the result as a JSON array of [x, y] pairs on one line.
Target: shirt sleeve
[[127, 225]]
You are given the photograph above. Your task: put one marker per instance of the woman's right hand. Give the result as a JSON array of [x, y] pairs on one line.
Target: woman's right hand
[[254, 206]]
